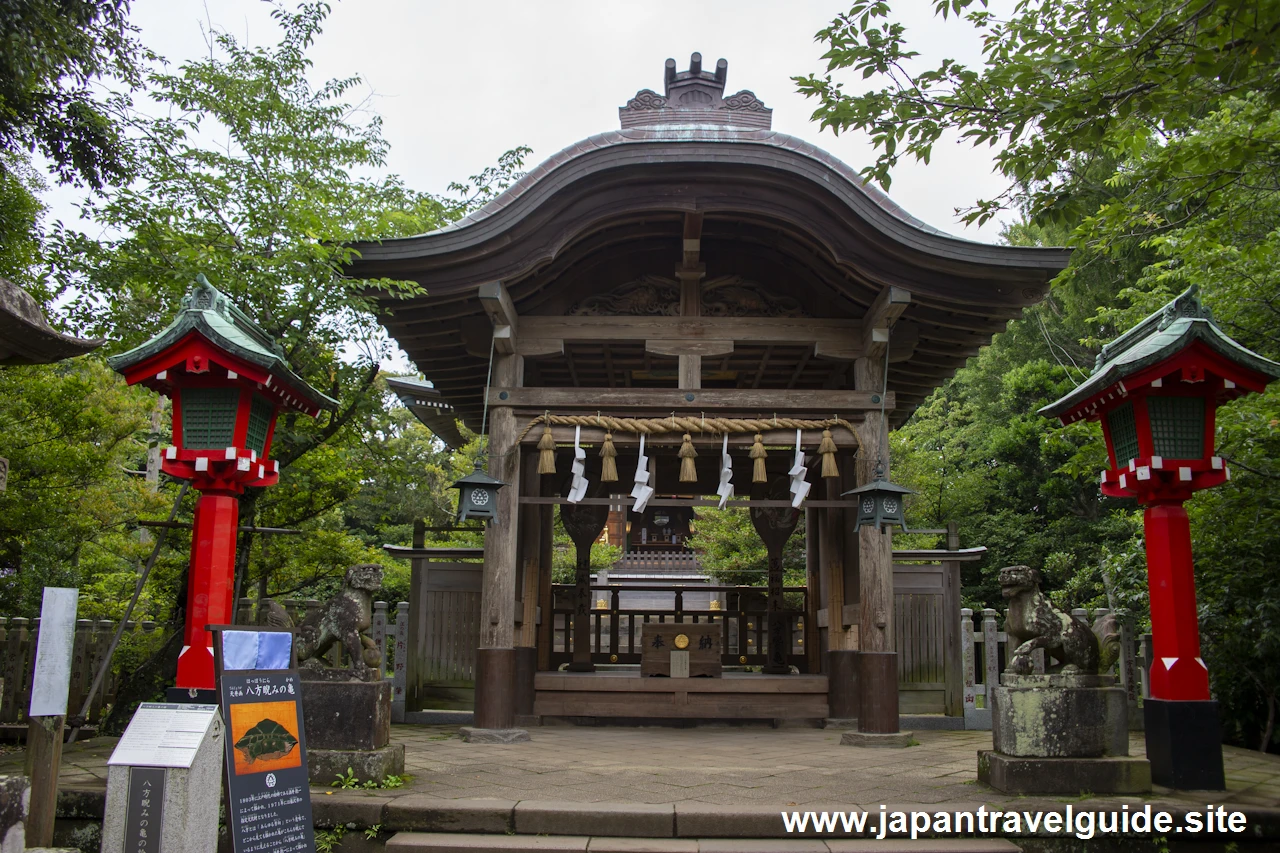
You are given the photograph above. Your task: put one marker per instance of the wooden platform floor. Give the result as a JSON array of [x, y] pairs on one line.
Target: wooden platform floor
[[628, 695]]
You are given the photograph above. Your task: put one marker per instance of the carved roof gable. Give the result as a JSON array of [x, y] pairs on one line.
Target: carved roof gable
[[696, 97], [655, 296]]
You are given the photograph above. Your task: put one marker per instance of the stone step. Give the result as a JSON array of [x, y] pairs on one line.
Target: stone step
[[443, 842]]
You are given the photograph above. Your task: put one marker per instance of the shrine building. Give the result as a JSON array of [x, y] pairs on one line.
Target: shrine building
[[704, 283]]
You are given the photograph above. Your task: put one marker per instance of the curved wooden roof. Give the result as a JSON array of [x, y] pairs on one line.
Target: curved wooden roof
[[777, 215]]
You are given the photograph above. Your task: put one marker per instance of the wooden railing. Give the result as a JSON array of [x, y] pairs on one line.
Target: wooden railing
[[615, 632]]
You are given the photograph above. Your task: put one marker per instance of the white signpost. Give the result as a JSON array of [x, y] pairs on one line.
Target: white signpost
[[48, 711]]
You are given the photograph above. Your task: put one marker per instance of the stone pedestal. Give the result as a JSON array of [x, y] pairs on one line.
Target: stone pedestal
[[176, 808], [1061, 734], [1184, 744], [13, 813], [348, 724]]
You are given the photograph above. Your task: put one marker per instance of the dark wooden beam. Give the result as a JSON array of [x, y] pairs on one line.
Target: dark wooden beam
[[764, 361], [704, 399]]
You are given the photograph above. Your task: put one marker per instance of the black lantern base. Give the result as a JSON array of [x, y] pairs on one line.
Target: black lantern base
[[191, 696], [1184, 744]]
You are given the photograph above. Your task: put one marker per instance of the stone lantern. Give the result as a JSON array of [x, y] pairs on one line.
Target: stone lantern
[[478, 495], [1155, 390], [228, 380]]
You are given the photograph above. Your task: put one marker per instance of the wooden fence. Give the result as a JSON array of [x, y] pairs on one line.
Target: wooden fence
[[18, 637], [17, 663]]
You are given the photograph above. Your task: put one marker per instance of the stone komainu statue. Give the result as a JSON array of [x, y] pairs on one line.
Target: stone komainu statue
[[344, 619], [1034, 623]]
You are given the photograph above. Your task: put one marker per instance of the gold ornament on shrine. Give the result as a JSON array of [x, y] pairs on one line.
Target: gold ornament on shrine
[[682, 641], [715, 604]]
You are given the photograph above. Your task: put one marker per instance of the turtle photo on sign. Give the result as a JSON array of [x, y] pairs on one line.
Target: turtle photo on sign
[[268, 740]]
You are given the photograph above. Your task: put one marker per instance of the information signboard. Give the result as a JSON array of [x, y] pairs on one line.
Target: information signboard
[[268, 790], [163, 734]]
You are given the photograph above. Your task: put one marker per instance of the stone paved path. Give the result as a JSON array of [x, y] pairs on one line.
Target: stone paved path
[[713, 765]]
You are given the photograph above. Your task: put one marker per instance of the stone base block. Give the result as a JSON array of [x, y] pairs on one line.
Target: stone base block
[[890, 740], [346, 715], [474, 735], [977, 719], [1184, 744], [367, 765], [1074, 776], [1053, 716]]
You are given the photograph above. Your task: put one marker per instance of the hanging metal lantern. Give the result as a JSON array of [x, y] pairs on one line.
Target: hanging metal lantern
[[880, 503], [478, 495]]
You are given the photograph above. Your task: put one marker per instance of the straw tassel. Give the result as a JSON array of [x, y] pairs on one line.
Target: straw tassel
[[758, 453], [608, 467], [688, 473], [828, 450], [547, 456]]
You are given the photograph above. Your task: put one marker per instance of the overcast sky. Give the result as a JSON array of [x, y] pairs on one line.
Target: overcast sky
[[458, 83]]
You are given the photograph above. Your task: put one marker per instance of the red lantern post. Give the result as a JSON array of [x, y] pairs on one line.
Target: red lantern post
[[1156, 390], [227, 381]]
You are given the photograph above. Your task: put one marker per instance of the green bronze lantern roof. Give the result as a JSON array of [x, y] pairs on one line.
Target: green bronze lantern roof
[[880, 484], [1158, 337], [478, 478], [211, 313]]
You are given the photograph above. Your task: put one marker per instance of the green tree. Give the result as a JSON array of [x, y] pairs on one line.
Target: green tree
[[1147, 135], [51, 52], [1061, 85], [251, 176], [69, 432], [730, 550]]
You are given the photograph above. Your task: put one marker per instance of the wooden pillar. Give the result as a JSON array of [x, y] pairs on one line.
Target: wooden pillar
[[546, 595], [584, 525], [831, 554], [851, 578], [44, 759], [875, 549], [813, 597], [878, 662], [495, 659], [690, 306], [530, 551]]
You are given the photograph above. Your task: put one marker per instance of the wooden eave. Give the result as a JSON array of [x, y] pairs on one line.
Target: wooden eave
[[770, 206]]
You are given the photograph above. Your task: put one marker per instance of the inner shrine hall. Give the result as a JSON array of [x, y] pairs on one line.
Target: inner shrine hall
[[657, 318]]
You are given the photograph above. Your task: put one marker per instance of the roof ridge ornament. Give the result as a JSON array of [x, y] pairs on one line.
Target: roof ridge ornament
[[1185, 306], [696, 96]]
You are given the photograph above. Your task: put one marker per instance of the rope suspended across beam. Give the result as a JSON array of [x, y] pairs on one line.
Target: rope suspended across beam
[[686, 424]]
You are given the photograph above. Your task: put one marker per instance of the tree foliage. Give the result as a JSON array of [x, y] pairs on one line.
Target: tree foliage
[[51, 52], [1058, 80], [1147, 135]]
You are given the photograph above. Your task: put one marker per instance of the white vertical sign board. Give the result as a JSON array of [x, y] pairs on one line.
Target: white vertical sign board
[[53, 652]]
